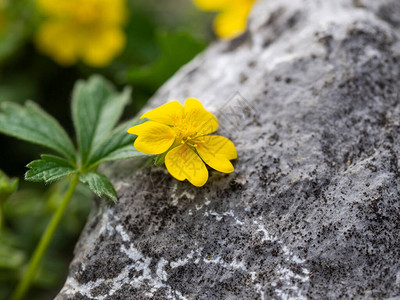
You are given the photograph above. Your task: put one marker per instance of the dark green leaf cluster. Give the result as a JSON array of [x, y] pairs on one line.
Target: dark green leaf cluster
[[96, 109]]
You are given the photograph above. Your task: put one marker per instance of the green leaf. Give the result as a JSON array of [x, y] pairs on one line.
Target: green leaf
[[118, 145], [122, 153], [160, 159], [99, 184], [32, 124], [7, 186], [96, 108], [49, 168], [177, 48]]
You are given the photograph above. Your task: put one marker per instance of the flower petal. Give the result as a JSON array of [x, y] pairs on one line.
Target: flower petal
[[60, 40], [114, 12], [202, 121], [232, 22], [170, 113], [102, 45], [217, 151], [110, 12], [183, 163], [58, 8], [153, 137], [212, 5]]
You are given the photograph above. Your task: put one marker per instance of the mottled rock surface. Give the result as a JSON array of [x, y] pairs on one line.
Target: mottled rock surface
[[310, 96]]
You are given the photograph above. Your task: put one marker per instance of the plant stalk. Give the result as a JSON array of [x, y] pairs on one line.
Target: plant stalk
[[47, 236]]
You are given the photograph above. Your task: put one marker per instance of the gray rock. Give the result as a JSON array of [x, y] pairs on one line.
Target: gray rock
[[310, 96]]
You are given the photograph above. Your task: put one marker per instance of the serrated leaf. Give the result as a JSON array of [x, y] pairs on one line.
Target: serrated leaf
[[99, 184], [122, 153], [111, 114], [49, 168], [118, 145], [32, 124], [96, 108]]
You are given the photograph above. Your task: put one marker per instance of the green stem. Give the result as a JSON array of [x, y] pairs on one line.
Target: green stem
[[40, 250]]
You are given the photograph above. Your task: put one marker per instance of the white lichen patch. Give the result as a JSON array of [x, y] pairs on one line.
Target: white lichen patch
[[219, 216], [141, 265], [182, 262], [287, 276], [152, 279], [289, 279], [175, 197], [234, 265], [106, 224]]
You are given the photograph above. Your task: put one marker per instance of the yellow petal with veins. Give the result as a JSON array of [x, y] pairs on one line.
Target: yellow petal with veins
[[198, 119], [216, 151], [153, 137], [183, 163], [170, 113]]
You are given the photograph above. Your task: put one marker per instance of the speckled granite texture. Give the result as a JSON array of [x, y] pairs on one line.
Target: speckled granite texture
[[310, 96]]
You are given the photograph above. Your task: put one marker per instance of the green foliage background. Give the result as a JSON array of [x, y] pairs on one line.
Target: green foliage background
[[161, 37]]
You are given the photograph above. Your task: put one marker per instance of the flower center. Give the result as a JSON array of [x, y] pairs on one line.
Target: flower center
[[186, 133]]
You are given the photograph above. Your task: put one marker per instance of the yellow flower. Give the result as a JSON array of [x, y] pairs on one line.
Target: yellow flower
[[183, 134], [90, 30], [232, 19]]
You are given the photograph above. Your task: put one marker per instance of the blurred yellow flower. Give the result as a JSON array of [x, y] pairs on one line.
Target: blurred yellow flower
[[90, 30], [183, 133], [232, 19]]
